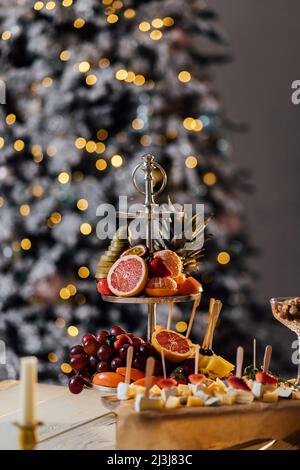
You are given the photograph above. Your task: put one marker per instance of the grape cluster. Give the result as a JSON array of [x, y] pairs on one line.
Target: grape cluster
[[105, 353]]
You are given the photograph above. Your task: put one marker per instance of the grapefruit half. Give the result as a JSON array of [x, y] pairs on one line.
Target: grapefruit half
[[176, 347], [128, 276]]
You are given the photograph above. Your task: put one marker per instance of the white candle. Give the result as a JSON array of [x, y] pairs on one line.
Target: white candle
[[28, 379]]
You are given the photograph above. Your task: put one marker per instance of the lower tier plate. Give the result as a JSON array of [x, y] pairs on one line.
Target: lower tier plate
[[151, 300]]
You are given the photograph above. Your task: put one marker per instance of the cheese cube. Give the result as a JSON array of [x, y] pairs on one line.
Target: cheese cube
[[142, 403], [201, 394], [194, 401], [244, 397], [212, 401], [226, 398], [284, 392], [168, 392], [257, 389], [183, 389], [135, 389], [173, 402], [270, 397], [155, 390]]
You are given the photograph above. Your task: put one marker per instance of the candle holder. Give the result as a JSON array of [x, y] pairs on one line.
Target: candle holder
[[27, 436]]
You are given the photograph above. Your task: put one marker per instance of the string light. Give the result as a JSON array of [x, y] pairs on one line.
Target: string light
[[129, 13], [10, 119], [64, 55], [64, 293], [144, 26], [101, 164], [102, 134], [26, 244], [91, 80], [121, 74], [6, 35], [67, 3], [145, 140], [117, 4], [80, 142], [155, 34], [100, 147], [66, 368], [84, 66], [116, 161], [184, 76], [83, 272], [38, 6], [137, 124], [19, 145], [209, 179], [130, 77], [168, 21], [51, 151], [192, 124], [112, 18], [63, 177], [37, 191], [55, 218], [72, 289], [85, 228], [82, 204], [2, 142], [72, 331], [52, 357], [157, 23], [223, 257], [181, 326], [90, 146], [104, 63], [191, 162], [79, 23], [24, 210], [50, 5], [139, 80]]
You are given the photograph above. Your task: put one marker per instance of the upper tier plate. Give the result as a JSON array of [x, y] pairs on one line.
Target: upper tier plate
[[150, 300]]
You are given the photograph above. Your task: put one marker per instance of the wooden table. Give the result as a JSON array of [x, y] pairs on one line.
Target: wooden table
[[80, 422]]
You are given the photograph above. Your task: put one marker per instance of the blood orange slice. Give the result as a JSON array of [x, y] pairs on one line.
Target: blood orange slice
[[128, 276], [176, 347], [171, 260]]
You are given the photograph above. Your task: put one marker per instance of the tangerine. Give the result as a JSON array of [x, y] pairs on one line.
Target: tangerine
[[171, 260], [161, 287]]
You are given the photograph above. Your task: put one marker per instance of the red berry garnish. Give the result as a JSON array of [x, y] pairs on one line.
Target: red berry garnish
[[102, 287]]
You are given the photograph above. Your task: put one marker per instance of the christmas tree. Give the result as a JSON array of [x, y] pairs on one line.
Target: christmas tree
[[91, 86]]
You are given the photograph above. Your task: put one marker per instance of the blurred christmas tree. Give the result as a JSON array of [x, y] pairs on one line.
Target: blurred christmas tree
[[91, 86]]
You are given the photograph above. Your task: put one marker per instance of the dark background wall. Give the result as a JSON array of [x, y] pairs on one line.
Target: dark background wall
[[256, 88]]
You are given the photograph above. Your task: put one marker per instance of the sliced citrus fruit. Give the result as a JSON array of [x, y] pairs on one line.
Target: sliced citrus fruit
[[161, 287], [138, 250], [189, 286], [176, 347], [154, 380], [180, 279], [135, 374], [128, 276], [107, 379], [171, 260]]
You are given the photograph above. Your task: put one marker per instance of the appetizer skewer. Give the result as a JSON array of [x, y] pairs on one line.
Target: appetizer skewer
[[123, 392]]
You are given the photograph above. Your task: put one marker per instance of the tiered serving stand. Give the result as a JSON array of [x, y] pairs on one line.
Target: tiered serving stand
[[148, 166]]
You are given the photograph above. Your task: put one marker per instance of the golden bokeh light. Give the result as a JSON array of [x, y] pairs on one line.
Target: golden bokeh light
[[10, 119], [66, 368], [85, 228], [121, 74], [116, 161], [102, 134], [25, 244], [38, 6], [64, 55], [60, 322], [72, 331], [209, 179], [168, 21], [37, 190], [139, 80], [80, 142], [181, 326], [83, 272], [64, 293], [1, 201], [223, 257], [191, 161], [84, 66], [155, 34], [6, 35], [82, 204], [104, 63], [157, 23], [47, 82], [24, 210], [100, 147], [79, 23], [129, 13], [130, 76], [50, 5], [52, 357], [144, 26], [63, 177], [90, 146], [72, 289], [137, 124], [51, 151], [145, 140], [101, 164], [16, 246], [91, 80], [2, 142], [55, 218], [19, 145], [184, 76], [112, 18], [67, 3]]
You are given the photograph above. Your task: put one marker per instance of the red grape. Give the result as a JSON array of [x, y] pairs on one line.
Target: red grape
[[115, 363], [85, 337], [91, 345], [77, 349], [146, 349], [79, 362], [116, 330], [105, 352], [101, 337], [121, 340], [93, 362], [76, 384], [136, 341], [103, 366], [123, 351], [139, 363]]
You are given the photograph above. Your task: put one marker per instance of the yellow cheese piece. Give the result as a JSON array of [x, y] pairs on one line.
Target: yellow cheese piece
[[194, 401], [296, 395], [155, 390], [270, 397], [173, 402], [135, 389], [218, 367], [183, 390]]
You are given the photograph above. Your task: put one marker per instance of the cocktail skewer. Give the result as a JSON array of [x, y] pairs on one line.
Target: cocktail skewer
[[163, 361], [267, 358], [197, 359], [254, 353], [170, 316], [205, 343], [123, 387], [149, 373], [192, 317], [239, 361], [216, 313]]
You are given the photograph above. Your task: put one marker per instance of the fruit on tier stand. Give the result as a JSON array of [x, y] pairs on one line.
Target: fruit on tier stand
[[158, 268], [161, 287], [170, 260], [189, 286], [128, 276], [176, 347], [102, 287], [118, 245], [138, 250]]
